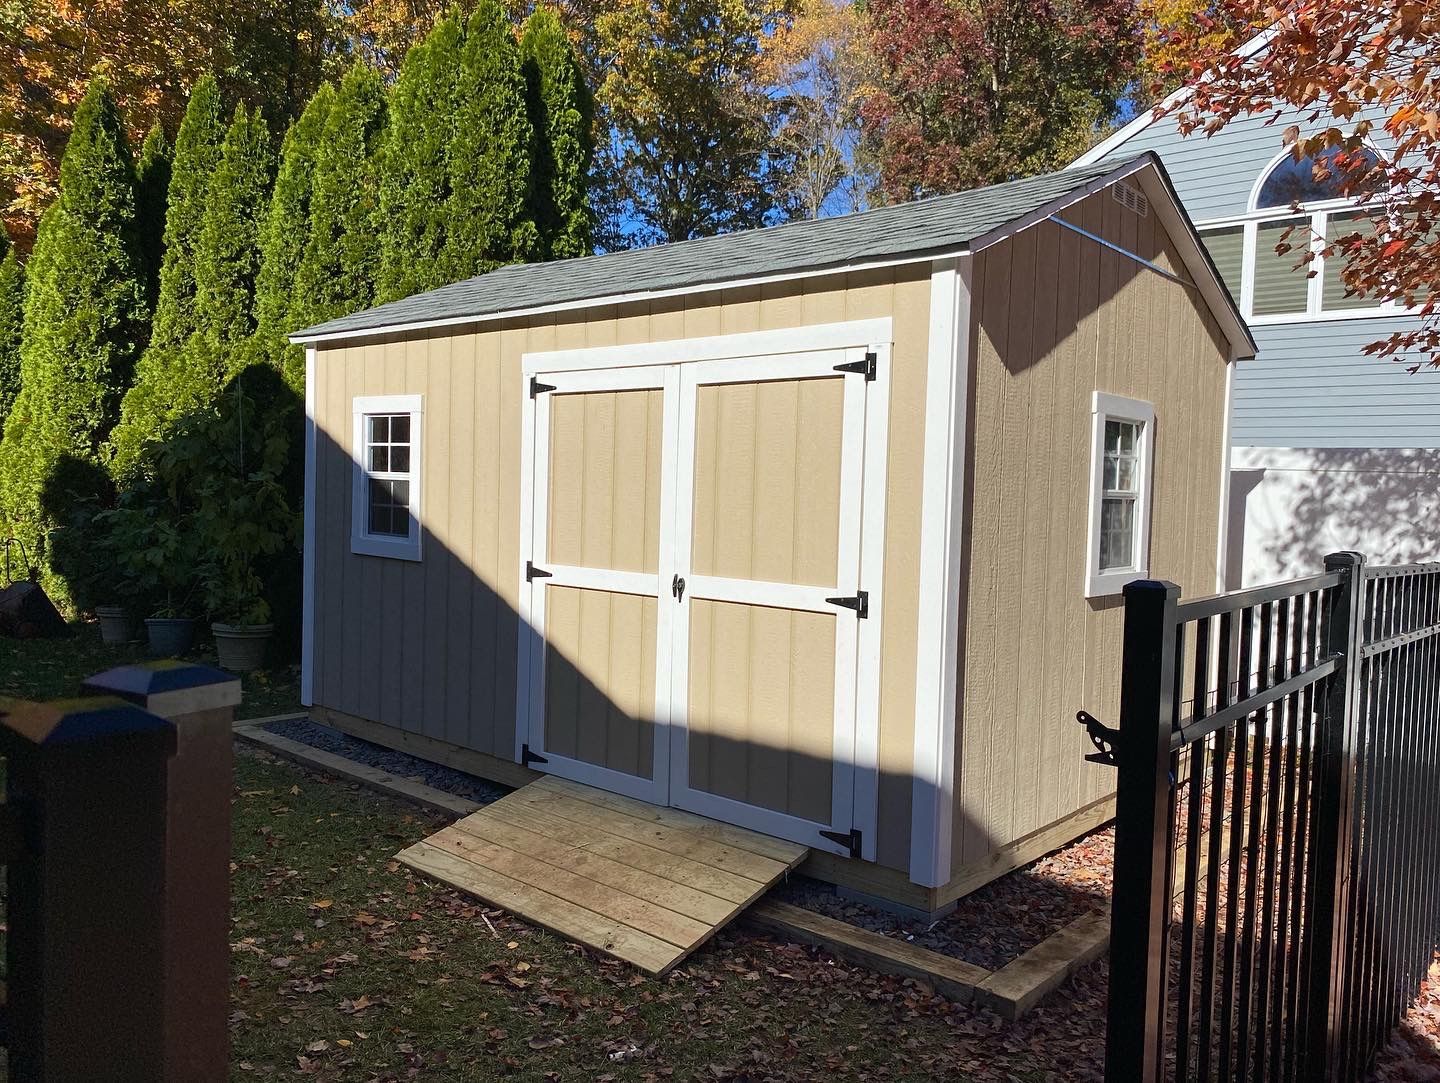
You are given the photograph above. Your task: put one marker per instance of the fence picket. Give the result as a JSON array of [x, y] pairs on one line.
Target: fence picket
[[1307, 830]]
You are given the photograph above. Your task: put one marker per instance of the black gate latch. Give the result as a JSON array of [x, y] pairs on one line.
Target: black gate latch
[[1101, 736], [849, 839]]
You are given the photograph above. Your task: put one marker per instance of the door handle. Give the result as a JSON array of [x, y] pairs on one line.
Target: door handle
[[677, 587]]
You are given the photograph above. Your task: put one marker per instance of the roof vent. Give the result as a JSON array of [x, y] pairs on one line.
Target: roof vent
[[1132, 199]]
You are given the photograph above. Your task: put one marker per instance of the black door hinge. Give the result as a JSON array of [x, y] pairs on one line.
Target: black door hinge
[[849, 839], [860, 603], [536, 387], [1101, 736], [533, 573], [865, 367], [527, 757]]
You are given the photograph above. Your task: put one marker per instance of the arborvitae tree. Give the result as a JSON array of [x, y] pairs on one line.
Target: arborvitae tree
[[84, 318], [12, 301], [282, 240], [489, 212], [562, 111], [227, 257], [415, 162], [197, 154], [152, 187], [337, 272]]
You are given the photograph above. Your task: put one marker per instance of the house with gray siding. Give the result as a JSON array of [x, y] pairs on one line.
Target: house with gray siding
[[1331, 448]]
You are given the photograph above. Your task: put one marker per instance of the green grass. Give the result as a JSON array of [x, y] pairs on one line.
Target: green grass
[[347, 966], [55, 668]]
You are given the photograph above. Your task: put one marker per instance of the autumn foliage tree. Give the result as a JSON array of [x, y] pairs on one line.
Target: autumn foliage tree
[[1362, 76], [269, 53], [971, 93], [690, 150]]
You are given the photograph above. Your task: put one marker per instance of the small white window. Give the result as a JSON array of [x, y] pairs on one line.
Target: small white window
[[1123, 454], [385, 500]]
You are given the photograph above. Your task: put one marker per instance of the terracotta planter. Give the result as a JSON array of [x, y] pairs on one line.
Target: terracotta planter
[[169, 636], [116, 624], [241, 647]]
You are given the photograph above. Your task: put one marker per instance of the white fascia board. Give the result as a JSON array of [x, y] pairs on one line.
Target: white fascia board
[[1118, 138], [621, 298], [947, 399]]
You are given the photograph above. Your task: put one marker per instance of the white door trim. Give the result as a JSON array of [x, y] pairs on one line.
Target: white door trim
[[937, 645], [736, 347]]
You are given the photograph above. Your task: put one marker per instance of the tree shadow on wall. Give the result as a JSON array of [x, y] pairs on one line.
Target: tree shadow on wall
[[1381, 502]]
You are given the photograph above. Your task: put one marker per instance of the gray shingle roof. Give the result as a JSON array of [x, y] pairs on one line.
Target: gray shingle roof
[[928, 225]]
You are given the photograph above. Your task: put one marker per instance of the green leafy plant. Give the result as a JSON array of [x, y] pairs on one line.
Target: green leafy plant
[[229, 466], [152, 549]]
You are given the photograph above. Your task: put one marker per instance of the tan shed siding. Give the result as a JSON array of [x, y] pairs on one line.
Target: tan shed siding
[[432, 646], [1057, 318]]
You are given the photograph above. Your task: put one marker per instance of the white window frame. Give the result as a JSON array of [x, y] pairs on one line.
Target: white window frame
[[1107, 407], [1314, 216], [361, 540]]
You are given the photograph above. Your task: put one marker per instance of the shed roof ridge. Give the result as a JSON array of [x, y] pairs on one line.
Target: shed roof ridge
[[879, 232]]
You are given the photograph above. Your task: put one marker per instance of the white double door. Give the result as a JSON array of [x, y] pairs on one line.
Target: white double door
[[693, 604]]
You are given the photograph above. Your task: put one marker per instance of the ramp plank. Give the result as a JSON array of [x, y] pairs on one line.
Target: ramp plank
[[645, 884]]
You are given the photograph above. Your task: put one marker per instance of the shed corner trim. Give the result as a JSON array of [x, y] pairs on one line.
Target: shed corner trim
[[947, 397]]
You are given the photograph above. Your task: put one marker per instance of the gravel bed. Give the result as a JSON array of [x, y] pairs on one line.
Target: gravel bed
[[999, 922], [386, 759]]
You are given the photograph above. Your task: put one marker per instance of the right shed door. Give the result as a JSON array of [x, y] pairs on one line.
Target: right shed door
[[767, 581]]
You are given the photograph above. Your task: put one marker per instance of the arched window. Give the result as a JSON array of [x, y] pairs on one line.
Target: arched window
[[1296, 204], [1338, 175]]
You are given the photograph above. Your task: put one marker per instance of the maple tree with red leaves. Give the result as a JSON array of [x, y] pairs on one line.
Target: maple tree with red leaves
[[1363, 77], [966, 94]]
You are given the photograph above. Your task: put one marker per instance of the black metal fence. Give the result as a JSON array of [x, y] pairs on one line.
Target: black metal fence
[[1277, 865]]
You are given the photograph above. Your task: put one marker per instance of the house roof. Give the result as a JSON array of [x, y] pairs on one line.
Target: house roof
[[1142, 120], [940, 225]]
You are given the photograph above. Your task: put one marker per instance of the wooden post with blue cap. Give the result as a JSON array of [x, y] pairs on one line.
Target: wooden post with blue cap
[[85, 865]]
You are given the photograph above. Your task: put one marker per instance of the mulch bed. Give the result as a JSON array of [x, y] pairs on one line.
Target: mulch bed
[[999, 922], [387, 759]]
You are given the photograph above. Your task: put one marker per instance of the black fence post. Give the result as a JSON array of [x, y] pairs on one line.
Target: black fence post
[[1333, 823], [1140, 913]]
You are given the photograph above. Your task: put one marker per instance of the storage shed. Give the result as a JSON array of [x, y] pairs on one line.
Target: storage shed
[[817, 530]]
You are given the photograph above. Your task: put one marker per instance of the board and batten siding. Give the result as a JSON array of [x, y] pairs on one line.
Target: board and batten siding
[[431, 646], [1058, 317], [1310, 384]]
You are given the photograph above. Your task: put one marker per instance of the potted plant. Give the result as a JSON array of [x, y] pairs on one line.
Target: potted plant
[[243, 629], [242, 519], [156, 549]]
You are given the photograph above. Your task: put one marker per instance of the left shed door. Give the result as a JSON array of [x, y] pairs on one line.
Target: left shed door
[[601, 526]]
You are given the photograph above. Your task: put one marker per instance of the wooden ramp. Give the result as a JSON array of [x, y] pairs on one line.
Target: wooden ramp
[[642, 883]]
